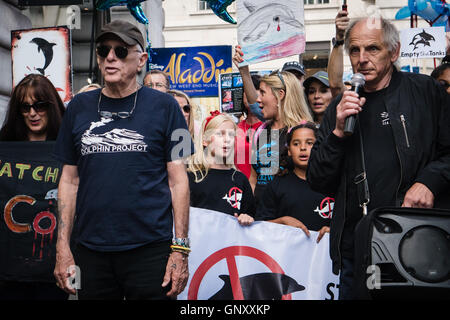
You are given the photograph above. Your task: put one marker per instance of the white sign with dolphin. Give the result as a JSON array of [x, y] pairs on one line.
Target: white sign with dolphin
[[269, 30], [45, 51], [422, 43]]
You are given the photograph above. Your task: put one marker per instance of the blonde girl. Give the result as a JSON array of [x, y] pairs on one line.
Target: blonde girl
[[214, 182]]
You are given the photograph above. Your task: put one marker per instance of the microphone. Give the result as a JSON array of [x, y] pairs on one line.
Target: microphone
[[358, 82]]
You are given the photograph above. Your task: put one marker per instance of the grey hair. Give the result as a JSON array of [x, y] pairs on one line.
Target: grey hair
[[391, 37]]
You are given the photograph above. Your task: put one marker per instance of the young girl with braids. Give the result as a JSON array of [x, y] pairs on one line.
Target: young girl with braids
[[214, 182], [288, 199]]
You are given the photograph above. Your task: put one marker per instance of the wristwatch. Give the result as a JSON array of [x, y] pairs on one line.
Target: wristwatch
[[337, 43]]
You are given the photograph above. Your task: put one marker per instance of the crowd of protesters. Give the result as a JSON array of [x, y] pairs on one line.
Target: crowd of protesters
[[286, 155]]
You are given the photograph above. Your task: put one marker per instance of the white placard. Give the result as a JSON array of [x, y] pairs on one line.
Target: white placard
[[422, 43]]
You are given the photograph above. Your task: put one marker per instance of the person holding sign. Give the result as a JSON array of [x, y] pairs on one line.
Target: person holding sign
[[35, 113], [283, 106], [124, 178], [402, 132]]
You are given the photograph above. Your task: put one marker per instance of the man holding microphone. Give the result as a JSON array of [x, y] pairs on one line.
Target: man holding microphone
[[402, 132]]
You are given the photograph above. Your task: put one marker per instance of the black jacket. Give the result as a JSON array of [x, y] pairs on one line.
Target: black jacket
[[419, 112]]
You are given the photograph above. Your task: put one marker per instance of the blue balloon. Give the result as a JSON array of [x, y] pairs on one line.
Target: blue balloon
[[219, 7], [133, 5], [436, 12]]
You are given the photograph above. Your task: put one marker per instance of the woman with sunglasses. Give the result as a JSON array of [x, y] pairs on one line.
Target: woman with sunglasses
[[283, 106], [187, 108], [35, 113]]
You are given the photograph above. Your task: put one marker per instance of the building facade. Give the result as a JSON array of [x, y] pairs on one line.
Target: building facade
[[184, 23]]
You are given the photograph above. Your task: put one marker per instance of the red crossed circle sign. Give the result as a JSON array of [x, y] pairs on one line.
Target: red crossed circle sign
[[229, 254]]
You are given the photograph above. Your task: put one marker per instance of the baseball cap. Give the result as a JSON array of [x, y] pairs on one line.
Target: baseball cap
[[294, 66], [321, 76], [126, 31]]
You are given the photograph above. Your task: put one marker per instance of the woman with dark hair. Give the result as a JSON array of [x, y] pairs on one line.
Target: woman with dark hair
[[318, 93], [442, 75], [288, 199], [35, 111]]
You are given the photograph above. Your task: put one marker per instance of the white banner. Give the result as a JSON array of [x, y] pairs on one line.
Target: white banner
[[421, 43], [263, 261]]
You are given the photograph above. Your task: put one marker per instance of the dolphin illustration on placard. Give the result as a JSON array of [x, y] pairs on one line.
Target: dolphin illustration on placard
[[47, 49], [422, 38], [266, 19]]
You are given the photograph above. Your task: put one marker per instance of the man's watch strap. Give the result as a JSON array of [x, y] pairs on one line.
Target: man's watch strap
[[337, 43]]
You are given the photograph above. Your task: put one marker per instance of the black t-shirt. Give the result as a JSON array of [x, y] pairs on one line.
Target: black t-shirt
[[292, 196], [123, 200], [226, 191], [267, 149], [380, 153]]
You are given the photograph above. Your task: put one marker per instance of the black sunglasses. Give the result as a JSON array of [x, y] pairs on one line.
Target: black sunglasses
[[186, 108], [278, 73], [445, 84], [39, 106], [120, 51]]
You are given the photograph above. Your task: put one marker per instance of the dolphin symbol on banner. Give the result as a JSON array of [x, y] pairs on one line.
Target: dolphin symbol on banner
[[47, 49], [259, 286]]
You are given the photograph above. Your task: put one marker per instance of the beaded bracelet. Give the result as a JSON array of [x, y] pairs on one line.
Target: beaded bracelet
[[180, 249]]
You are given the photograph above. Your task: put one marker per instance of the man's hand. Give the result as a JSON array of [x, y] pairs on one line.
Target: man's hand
[[349, 104], [64, 260], [341, 22], [177, 272], [418, 196]]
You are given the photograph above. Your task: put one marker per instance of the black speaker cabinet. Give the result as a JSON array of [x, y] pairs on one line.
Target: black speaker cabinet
[[408, 253]]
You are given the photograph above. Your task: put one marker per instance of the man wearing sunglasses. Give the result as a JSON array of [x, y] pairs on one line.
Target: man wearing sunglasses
[[122, 179]]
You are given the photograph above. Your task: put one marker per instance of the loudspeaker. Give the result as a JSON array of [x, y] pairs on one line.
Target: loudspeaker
[[403, 253]]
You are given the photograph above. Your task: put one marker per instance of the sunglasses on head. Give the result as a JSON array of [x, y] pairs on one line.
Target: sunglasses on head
[[278, 73], [121, 52], [39, 106], [187, 108]]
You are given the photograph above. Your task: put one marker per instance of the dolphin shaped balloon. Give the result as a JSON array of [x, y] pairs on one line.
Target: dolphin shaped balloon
[[133, 5], [436, 12], [219, 7]]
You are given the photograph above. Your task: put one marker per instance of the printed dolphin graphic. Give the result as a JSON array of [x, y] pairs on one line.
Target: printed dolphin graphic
[[47, 49], [259, 286], [134, 6], [257, 23], [422, 38], [219, 7]]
